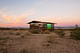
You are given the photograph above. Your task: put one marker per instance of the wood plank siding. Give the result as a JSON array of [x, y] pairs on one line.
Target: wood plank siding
[[41, 25]]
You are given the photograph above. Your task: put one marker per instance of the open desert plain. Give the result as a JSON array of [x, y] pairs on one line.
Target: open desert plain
[[24, 41]]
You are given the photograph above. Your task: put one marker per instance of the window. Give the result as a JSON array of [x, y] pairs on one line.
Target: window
[[48, 26]]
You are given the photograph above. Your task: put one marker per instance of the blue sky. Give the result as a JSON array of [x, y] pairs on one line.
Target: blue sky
[[63, 12]]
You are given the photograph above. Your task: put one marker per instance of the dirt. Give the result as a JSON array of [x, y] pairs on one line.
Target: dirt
[[22, 41]]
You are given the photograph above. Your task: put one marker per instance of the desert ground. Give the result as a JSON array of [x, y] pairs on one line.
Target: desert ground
[[23, 41]]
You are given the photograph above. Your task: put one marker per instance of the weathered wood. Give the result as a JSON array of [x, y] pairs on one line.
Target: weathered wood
[[41, 25]]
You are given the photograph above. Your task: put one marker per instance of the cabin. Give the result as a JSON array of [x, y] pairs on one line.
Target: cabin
[[42, 25]]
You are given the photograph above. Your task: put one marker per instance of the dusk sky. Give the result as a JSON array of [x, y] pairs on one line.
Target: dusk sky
[[19, 12]]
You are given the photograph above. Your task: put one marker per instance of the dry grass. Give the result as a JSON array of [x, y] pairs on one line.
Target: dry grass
[[60, 32], [35, 31], [23, 41], [75, 34]]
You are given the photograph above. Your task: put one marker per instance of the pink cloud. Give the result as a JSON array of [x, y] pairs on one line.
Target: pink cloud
[[15, 19]]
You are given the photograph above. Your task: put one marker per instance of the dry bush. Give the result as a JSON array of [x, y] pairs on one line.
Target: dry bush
[[18, 33], [24, 51], [22, 36], [27, 33], [75, 34], [3, 50], [27, 51], [60, 32], [35, 31], [4, 38], [47, 32], [3, 47]]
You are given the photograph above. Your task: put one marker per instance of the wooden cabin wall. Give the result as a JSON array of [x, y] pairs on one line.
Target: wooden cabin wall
[[36, 25], [44, 26], [52, 27], [41, 26]]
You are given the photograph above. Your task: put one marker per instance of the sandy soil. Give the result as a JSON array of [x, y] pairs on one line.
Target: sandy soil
[[22, 41]]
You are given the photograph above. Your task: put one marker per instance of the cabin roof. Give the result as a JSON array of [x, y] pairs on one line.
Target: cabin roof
[[40, 22]]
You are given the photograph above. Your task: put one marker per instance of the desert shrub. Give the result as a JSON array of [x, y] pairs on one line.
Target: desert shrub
[[28, 33], [60, 32], [27, 51], [22, 36], [35, 31], [75, 34], [4, 38], [18, 33], [3, 50], [47, 32], [24, 51]]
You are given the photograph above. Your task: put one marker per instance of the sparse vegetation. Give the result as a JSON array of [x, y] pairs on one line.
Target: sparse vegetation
[[37, 43], [24, 51], [27, 51], [18, 33], [76, 26], [47, 32], [4, 38], [60, 32], [75, 34], [28, 33], [35, 31], [22, 36], [3, 50]]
